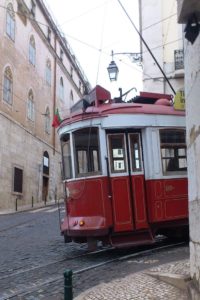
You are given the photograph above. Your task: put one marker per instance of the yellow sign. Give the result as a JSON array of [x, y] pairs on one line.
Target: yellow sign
[[179, 100]]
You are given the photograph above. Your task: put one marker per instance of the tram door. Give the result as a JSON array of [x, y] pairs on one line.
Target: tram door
[[127, 181]]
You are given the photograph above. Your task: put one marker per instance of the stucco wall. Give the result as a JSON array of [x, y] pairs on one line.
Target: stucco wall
[[192, 91], [20, 148]]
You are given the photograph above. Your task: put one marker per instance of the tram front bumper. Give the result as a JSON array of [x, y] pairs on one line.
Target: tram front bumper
[[84, 226]]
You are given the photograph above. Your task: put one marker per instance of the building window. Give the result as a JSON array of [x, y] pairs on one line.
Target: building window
[[47, 120], [8, 86], [48, 72], [71, 71], [31, 107], [173, 151], [33, 8], [178, 59], [10, 22], [32, 50], [18, 180], [46, 163], [61, 89], [71, 98], [79, 85], [61, 54], [49, 34]]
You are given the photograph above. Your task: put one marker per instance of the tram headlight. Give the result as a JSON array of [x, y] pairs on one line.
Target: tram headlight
[[81, 223]]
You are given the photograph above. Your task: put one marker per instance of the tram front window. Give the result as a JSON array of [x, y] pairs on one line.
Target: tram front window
[[173, 151], [87, 158], [135, 152], [66, 156], [117, 152]]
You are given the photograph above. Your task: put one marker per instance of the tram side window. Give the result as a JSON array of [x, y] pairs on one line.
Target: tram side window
[[87, 158], [135, 152], [173, 151], [117, 153], [66, 156]]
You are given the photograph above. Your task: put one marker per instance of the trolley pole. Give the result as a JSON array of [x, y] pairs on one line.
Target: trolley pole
[[68, 294]]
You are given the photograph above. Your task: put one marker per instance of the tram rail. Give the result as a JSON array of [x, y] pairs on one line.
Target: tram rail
[[91, 265]]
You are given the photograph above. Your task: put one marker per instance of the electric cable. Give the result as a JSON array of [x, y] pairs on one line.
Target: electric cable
[[146, 45]]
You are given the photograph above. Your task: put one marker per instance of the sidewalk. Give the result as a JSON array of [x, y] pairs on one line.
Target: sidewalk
[[29, 207], [167, 282]]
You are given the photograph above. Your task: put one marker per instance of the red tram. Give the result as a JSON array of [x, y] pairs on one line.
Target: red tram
[[125, 171]]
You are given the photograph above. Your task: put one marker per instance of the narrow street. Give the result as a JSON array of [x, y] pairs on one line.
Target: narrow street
[[34, 257]]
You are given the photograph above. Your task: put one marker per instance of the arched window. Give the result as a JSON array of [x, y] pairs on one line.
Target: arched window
[[32, 50], [47, 120], [48, 72], [46, 163], [10, 21], [8, 86], [71, 98], [30, 106], [61, 89]]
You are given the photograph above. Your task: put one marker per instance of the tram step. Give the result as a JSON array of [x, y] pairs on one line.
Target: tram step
[[134, 239]]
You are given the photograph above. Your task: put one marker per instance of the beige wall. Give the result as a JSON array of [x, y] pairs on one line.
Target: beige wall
[[23, 142], [163, 35]]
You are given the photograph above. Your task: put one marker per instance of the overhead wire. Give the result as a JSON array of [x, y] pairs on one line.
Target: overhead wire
[[146, 45], [160, 21]]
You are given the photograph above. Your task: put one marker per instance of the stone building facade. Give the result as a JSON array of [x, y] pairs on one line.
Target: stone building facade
[[189, 15], [159, 28], [38, 74]]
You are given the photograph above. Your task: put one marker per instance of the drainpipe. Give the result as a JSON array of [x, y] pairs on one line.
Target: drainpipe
[[54, 92]]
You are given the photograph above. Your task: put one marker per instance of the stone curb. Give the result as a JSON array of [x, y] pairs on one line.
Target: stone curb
[[177, 280], [28, 208]]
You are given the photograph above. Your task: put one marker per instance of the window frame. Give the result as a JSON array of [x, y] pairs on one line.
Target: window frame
[[48, 72], [132, 154], [8, 89], [32, 51], [112, 169], [66, 159], [89, 153], [173, 161], [31, 106], [10, 22], [61, 89], [18, 192], [47, 120]]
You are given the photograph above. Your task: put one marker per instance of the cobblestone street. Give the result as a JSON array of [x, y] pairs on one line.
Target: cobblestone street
[[34, 257]]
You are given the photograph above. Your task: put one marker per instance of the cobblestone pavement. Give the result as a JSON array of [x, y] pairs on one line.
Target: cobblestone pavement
[[140, 286], [122, 280], [33, 238]]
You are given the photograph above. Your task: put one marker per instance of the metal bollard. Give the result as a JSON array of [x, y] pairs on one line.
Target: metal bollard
[[32, 201], [68, 294]]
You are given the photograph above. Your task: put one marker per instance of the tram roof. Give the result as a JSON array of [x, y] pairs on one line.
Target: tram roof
[[99, 104]]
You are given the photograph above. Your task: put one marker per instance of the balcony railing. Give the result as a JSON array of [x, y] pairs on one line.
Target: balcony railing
[[178, 59]]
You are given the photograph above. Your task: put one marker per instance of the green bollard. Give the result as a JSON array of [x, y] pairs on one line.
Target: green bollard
[[68, 294]]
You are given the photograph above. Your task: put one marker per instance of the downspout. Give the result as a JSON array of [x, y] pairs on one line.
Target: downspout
[[54, 92]]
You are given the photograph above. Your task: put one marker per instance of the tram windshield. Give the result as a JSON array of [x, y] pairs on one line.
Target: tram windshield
[[86, 151], [173, 151]]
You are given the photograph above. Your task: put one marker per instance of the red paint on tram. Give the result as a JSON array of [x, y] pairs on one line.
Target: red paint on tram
[[125, 170]]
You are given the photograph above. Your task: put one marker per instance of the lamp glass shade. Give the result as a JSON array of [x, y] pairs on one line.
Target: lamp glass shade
[[113, 71]]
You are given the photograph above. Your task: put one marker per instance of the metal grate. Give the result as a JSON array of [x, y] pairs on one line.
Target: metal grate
[[179, 59]]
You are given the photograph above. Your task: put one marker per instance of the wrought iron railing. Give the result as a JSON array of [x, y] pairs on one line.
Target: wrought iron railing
[[178, 59]]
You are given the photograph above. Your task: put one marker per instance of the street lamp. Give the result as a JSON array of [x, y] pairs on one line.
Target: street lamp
[[113, 69]]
